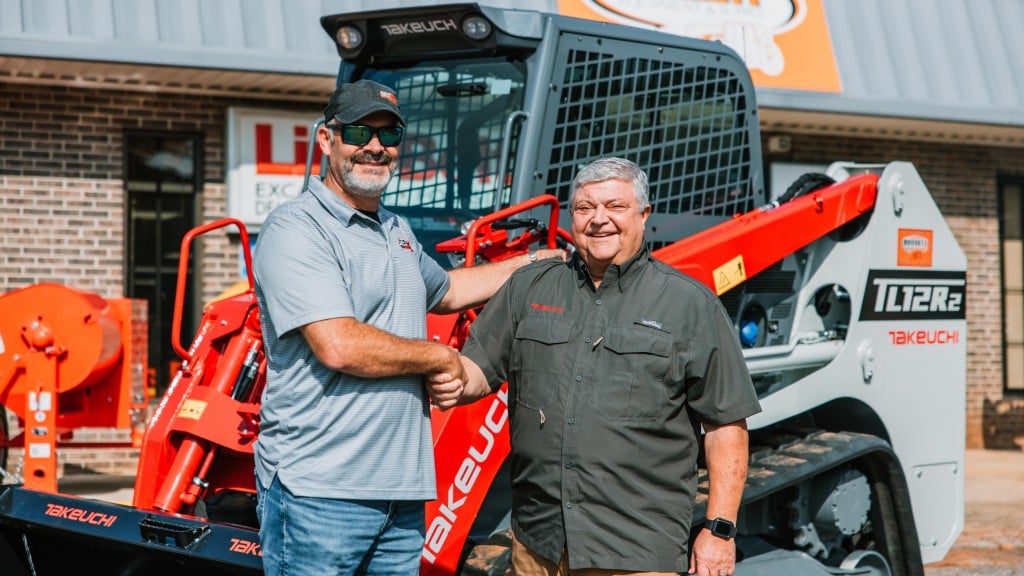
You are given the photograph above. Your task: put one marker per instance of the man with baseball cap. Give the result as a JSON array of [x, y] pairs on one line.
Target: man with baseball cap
[[344, 460]]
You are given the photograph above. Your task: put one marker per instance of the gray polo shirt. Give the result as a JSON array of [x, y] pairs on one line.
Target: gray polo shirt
[[607, 387], [325, 433]]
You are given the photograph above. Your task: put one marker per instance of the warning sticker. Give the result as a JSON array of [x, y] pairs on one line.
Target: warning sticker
[[729, 275], [38, 450], [192, 409]]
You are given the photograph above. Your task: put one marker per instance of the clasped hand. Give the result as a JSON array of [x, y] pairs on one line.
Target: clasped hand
[[445, 386]]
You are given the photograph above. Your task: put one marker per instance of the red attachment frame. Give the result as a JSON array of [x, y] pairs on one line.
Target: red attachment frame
[[199, 440], [521, 244], [186, 245]]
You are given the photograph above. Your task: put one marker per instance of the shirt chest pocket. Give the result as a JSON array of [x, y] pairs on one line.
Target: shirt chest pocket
[[630, 381], [541, 353]]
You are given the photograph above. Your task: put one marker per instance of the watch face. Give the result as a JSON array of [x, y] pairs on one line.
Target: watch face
[[722, 528]]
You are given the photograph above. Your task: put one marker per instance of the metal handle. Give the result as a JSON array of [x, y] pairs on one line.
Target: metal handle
[[309, 154], [506, 148], [179, 296]]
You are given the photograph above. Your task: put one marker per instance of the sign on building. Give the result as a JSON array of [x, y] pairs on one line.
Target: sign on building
[[267, 151]]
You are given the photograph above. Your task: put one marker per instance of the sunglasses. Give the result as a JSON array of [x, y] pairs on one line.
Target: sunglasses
[[360, 135]]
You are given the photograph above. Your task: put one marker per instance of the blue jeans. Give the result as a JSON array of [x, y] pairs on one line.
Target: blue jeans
[[322, 536]]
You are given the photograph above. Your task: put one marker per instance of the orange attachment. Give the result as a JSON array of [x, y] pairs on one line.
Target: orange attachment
[[66, 361]]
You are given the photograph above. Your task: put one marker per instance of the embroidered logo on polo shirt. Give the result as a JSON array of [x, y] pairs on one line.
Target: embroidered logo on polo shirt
[[547, 308], [405, 245]]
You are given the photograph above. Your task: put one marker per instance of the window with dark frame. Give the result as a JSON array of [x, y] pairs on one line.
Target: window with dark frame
[[1011, 233], [162, 179]]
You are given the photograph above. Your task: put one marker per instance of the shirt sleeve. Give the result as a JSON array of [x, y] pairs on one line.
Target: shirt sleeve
[[298, 275], [436, 280], [489, 343], [720, 390]]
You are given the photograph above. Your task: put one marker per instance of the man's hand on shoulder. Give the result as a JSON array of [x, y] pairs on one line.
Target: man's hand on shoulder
[[474, 286], [545, 253]]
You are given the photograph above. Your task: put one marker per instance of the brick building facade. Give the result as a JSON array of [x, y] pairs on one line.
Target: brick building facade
[[62, 213], [65, 112]]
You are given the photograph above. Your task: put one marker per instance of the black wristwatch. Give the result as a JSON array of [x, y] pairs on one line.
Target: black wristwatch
[[721, 527]]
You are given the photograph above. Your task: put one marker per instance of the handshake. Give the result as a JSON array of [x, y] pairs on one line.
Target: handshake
[[447, 384]]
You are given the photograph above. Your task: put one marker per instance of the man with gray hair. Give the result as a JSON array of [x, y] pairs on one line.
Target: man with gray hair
[[613, 361]]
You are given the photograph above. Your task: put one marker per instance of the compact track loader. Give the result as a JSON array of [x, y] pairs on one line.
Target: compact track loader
[[848, 294]]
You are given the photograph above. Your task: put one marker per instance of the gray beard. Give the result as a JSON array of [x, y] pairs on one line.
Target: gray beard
[[365, 187]]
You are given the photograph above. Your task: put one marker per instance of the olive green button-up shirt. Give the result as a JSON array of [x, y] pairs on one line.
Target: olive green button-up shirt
[[607, 388]]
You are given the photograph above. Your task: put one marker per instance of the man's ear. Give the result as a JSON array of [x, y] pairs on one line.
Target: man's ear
[[325, 139]]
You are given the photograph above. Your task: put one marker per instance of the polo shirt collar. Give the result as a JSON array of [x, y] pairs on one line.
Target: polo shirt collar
[[621, 275], [342, 210]]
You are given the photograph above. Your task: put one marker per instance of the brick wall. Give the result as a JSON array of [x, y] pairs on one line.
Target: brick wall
[[963, 181], [62, 202]]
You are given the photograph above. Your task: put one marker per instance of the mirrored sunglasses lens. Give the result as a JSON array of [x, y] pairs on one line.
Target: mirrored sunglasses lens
[[356, 134], [390, 135]]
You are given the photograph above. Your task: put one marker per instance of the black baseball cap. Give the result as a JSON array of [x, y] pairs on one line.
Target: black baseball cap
[[351, 102]]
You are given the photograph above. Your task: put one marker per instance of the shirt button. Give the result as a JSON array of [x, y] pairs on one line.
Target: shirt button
[[568, 466], [598, 301], [587, 340], [568, 504], [579, 378], [572, 421]]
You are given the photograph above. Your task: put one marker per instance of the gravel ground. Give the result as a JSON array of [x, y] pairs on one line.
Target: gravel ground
[[992, 543]]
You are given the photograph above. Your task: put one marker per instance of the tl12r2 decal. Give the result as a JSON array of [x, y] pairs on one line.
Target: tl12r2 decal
[[915, 295]]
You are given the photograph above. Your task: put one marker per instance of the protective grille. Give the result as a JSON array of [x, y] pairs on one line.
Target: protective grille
[[454, 121], [685, 124]]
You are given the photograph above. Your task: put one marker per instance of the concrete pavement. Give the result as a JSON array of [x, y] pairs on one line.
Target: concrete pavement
[[992, 543]]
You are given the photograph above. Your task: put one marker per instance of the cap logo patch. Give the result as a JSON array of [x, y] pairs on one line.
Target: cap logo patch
[[389, 97]]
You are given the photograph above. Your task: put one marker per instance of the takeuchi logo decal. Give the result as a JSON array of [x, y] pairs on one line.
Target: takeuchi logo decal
[[82, 515], [785, 43]]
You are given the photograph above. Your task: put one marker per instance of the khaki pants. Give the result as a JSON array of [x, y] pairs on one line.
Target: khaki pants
[[526, 563]]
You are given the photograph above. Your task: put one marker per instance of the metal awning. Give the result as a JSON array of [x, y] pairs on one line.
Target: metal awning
[[939, 70]]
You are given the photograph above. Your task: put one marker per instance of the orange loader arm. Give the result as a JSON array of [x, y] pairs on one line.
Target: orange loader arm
[[724, 256]]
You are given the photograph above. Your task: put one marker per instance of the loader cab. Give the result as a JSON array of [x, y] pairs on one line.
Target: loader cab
[[450, 158], [505, 105]]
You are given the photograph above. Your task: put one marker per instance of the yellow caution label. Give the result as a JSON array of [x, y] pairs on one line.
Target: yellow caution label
[[192, 409], [730, 275]]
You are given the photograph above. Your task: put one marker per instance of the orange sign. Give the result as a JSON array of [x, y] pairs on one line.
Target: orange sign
[[915, 248], [785, 43]]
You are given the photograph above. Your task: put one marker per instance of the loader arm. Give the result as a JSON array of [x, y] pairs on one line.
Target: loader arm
[[725, 256]]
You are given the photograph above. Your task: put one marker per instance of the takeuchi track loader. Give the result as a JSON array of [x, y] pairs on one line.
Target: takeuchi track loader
[[848, 294]]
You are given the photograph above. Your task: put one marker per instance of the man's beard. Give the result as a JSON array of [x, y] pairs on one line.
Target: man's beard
[[363, 185]]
